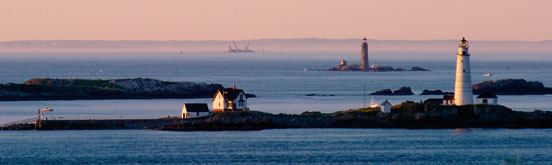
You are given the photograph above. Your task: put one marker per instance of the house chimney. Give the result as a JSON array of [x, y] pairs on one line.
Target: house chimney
[[234, 86]]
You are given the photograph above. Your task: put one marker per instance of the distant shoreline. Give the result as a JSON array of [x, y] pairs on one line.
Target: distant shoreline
[[104, 89]]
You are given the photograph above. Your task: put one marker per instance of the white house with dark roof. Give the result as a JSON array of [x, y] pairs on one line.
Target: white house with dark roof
[[230, 99], [448, 99], [192, 110], [385, 106], [487, 98]]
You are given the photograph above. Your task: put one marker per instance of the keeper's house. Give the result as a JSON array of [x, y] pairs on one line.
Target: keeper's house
[[230, 99]]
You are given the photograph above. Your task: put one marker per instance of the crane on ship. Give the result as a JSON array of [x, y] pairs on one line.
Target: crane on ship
[[236, 49]]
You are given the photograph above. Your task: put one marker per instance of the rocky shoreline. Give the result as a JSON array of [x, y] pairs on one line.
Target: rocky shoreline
[[78, 89], [406, 115]]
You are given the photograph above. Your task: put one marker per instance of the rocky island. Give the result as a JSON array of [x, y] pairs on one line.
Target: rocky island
[[343, 66], [73, 89], [400, 91], [434, 92], [499, 87], [408, 114], [512, 87], [405, 115]]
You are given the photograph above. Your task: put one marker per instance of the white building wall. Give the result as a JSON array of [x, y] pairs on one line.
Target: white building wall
[[238, 106], [490, 101], [463, 87], [185, 114], [197, 114], [386, 108], [219, 103], [448, 102]]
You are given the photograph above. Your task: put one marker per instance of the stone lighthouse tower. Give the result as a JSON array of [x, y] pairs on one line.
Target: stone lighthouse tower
[[364, 65], [463, 86]]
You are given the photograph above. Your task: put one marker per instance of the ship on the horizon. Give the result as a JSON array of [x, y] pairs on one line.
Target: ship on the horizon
[[236, 49]]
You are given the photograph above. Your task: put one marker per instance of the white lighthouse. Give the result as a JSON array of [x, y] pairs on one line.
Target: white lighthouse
[[463, 87]]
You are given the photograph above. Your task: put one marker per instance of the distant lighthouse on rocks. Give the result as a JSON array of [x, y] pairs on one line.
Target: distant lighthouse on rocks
[[364, 65], [463, 86]]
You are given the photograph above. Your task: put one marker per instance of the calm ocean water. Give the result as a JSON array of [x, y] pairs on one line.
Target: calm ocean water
[[281, 85], [279, 146]]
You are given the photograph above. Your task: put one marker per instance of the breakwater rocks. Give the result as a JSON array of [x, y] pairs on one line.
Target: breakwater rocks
[[511, 87], [109, 124], [72, 89], [406, 115]]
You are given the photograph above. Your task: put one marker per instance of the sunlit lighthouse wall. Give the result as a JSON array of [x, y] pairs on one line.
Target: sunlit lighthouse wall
[[463, 86]]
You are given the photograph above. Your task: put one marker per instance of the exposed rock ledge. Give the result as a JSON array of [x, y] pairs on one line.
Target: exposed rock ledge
[[406, 115], [499, 87], [400, 91], [380, 68], [73, 89], [511, 87]]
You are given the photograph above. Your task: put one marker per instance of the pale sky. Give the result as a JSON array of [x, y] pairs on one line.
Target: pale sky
[[528, 20]]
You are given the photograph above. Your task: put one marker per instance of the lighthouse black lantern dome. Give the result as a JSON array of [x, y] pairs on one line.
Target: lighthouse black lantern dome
[[463, 47]]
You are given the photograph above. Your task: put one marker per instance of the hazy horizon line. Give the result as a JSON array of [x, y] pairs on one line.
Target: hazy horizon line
[[306, 38]]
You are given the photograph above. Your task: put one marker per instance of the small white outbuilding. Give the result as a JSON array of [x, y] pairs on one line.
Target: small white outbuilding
[[385, 106], [487, 98], [192, 110]]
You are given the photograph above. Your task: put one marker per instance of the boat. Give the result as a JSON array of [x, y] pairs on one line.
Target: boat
[[236, 49], [487, 74], [47, 110]]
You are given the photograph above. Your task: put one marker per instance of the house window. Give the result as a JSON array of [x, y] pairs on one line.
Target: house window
[[484, 101], [197, 113]]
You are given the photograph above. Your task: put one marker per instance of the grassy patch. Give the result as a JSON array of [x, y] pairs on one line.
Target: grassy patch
[[361, 110]]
